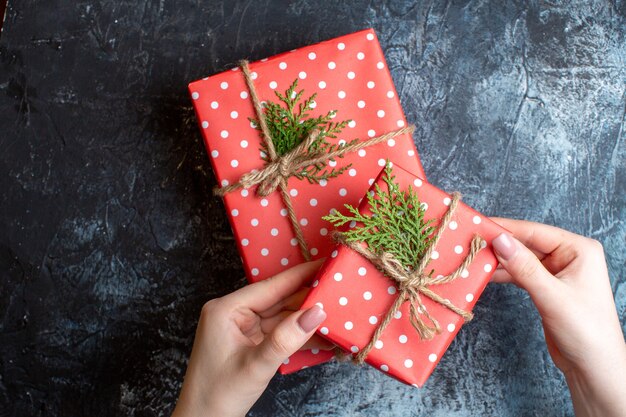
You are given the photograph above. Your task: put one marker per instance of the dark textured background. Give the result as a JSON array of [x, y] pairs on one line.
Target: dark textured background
[[3, 5], [110, 240]]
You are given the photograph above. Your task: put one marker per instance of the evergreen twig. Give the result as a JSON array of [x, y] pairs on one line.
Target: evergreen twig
[[289, 125], [396, 224]]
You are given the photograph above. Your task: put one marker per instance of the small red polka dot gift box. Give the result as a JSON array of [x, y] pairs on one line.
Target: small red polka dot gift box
[[411, 263], [292, 137]]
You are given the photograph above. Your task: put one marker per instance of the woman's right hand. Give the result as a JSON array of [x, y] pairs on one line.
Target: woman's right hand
[[567, 279]]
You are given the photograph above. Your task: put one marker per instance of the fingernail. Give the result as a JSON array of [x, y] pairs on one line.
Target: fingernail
[[311, 318], [504, 246]]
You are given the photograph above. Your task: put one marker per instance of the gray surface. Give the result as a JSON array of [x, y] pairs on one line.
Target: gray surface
[[110, 240]]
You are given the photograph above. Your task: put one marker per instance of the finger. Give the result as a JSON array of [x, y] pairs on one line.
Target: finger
[[315, 342], [291, 303], [318, 343], [536, 236], [287, 338], [263, 294], [501, 276], [294, 302], [551, 262], [526, 270], [268, 324]]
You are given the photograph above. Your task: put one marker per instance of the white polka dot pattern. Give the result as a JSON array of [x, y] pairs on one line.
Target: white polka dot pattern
[[222, 103], [362, 295]]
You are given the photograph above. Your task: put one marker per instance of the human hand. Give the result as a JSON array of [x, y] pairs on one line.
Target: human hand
[[242, 339], [567, 279]]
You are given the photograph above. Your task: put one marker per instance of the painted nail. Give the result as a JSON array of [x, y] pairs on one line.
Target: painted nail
[[311, 318], [504, 246]]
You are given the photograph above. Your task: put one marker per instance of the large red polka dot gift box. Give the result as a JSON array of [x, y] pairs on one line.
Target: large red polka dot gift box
[[410, 264], [294, 136]]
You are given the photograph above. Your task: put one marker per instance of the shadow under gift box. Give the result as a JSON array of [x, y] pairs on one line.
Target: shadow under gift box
[[349, 75], [357, 296]]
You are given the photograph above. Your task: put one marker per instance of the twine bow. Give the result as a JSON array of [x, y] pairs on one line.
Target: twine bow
[[279, 169], [413, 284]]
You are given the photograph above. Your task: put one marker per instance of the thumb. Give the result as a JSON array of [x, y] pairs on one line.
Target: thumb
[[289, 336], [526, 270]]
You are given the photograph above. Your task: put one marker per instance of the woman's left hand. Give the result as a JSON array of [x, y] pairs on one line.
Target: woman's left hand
[[242, 339]]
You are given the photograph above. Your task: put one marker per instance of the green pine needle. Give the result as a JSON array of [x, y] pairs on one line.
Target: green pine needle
[[396, 224], [289, 125]]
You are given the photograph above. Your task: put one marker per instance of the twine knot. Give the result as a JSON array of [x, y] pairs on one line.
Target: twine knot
[[272, 175], [283, 167], [413, 281]]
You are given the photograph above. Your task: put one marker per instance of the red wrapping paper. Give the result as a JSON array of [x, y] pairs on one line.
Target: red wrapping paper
[[350, 75], [356, 296]]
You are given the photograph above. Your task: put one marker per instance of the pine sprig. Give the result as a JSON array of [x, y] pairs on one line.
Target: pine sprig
[[396, 224], [289, 124]]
